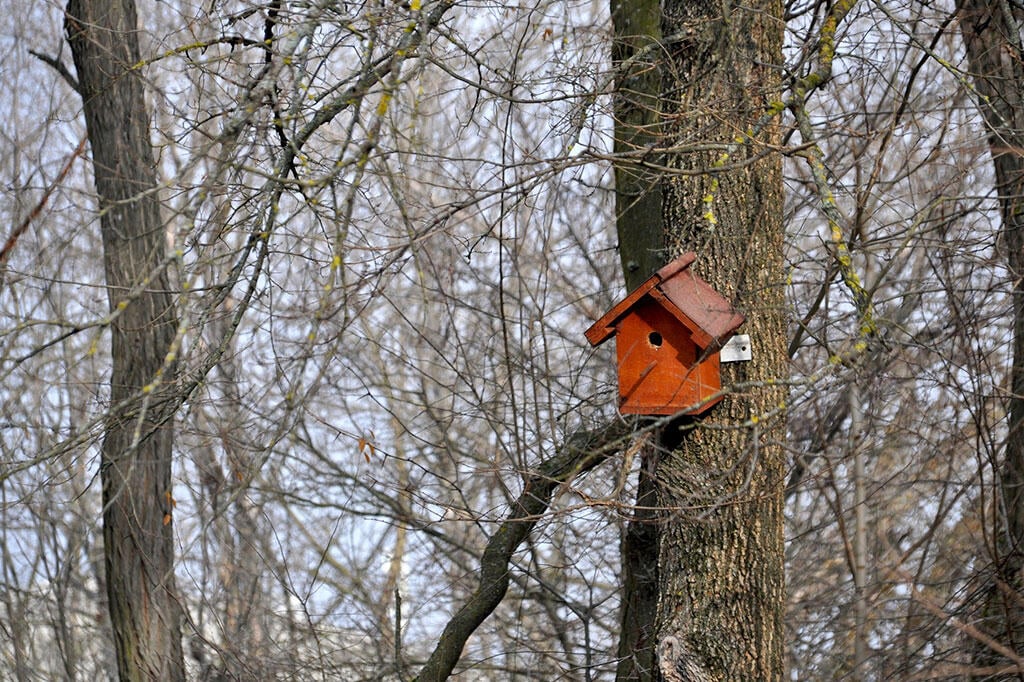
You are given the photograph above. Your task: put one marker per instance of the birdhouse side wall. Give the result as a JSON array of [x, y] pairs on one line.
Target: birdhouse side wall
[[658, 369]]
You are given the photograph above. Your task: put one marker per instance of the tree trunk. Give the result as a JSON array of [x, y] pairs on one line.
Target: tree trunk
[[637, 57], [992, 37], [136, 453], [640, 546], [719, 478]]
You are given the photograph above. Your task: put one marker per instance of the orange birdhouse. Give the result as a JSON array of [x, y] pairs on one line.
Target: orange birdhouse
[[668, 333]]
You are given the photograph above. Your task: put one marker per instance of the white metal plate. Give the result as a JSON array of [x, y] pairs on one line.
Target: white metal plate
[[736, 349]]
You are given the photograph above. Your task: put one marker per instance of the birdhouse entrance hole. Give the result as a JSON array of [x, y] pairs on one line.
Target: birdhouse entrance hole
[[654, 338]]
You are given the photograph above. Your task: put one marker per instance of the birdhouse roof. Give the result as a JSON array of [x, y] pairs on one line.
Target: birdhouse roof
[[710, 318]]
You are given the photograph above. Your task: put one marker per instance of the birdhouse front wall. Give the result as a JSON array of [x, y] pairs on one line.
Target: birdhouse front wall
[[658, 369]]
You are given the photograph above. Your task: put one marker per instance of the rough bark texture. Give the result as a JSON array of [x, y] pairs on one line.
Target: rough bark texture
[[992, 36], [721, 564], [136, 456], [719, 482]]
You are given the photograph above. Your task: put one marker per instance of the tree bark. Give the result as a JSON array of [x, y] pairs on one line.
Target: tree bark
[[136, 453], [636, 56], [992, 37], [722, 582], [719, 479], [640, 546]]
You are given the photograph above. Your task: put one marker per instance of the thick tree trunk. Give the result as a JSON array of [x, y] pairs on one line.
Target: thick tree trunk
[[992, 36], [719, 478], [136, 454]]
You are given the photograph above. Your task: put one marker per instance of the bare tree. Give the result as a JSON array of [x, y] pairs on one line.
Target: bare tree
[[992, 38], [712, 609], [137, 446]]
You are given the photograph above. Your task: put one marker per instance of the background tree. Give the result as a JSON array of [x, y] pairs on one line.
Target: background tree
[[884, 501], [135, 465], [992, 38]]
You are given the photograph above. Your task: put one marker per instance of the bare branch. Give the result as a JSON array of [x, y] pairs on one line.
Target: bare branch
[[59, 67], [583, 451]]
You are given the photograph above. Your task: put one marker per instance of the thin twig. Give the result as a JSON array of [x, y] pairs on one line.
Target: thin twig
[[12, 239]]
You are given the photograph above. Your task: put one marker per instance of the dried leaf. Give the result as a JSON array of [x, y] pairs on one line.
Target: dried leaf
[[365, 448]]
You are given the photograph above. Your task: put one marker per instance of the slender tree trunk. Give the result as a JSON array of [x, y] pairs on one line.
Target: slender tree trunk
[[861, 648], [136, 453], [638, 56], [719, 478], [640, 546], [992, 35]]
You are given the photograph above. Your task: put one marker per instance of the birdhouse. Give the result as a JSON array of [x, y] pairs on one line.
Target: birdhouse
[[668, 333]]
